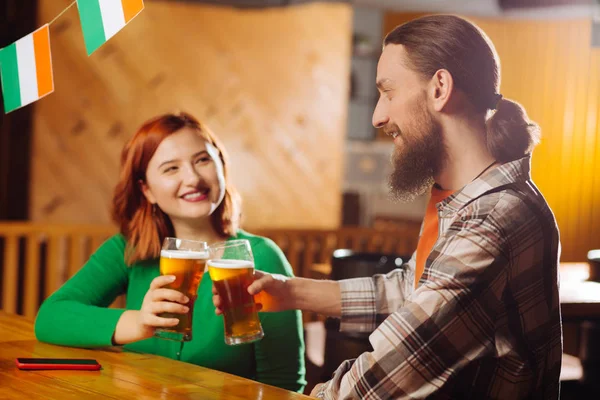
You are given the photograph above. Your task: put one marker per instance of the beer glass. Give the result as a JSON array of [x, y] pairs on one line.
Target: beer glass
[[231, 268], [186, 260]]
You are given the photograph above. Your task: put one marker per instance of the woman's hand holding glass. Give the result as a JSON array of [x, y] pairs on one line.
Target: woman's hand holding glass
[[158, 300]]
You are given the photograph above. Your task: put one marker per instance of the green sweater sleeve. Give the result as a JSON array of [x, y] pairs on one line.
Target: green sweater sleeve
[[77, 314], [280, 354]]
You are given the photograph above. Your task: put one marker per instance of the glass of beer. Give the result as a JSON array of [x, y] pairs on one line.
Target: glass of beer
[[186, 260], [231, 268]]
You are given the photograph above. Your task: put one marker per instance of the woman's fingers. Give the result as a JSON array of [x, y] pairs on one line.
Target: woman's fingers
[[161, 281], [169, 295], [168, 307], [157, 322]]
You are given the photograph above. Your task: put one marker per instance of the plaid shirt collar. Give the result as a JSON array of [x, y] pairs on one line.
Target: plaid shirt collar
[[510, 172]]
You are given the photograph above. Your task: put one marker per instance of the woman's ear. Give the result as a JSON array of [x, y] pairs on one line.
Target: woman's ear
[[146, 191]]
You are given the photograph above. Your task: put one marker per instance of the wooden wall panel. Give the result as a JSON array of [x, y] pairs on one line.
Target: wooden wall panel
[[271, 83], [550, 67]]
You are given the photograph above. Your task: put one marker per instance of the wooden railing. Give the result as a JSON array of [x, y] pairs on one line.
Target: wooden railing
[[305, 248], [36, 259]]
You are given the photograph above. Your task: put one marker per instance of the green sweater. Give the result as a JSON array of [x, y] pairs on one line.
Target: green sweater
[[77, 315]]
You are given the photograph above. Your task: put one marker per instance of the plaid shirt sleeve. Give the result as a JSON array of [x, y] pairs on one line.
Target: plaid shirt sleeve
[[366, 302], [445, 324]]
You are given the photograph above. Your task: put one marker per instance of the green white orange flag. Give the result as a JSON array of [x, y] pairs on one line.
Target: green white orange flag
[[26, 70], [102, 19]]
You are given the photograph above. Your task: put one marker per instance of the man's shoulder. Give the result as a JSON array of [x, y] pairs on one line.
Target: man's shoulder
[[512, 209]]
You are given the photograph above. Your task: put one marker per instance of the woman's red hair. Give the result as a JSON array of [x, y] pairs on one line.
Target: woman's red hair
[[143, 225]]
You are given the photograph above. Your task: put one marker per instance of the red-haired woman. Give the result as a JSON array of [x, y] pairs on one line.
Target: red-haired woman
[[173, 182]]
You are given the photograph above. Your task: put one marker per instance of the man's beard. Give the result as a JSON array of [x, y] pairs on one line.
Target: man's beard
[[419, 158]]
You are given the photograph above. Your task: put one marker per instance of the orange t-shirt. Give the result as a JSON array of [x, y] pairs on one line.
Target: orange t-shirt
[[429, 234]]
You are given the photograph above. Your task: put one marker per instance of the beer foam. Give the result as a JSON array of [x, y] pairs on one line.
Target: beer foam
[[231, 264], [184, 254]]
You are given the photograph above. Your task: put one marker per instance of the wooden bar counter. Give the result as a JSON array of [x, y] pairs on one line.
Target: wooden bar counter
[[124, 375]]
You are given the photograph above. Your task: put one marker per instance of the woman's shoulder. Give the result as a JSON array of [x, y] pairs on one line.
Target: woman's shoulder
[[267, 255], [255, 240], [116, 246], [112, 251], [115, 243]]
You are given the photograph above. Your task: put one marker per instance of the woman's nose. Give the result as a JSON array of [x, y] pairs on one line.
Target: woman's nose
[[192, 177]]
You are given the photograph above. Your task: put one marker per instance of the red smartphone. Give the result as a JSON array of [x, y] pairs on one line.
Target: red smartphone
[[58, 363]]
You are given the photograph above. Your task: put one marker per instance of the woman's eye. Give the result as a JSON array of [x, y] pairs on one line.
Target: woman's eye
[[202, 160], [169, 169]]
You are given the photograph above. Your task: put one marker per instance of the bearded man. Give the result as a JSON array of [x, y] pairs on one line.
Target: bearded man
[[475, 312]]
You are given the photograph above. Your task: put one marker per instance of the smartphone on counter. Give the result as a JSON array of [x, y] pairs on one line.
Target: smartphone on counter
[[58, 363]]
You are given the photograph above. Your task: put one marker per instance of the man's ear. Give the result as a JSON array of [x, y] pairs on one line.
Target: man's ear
[[146, 191], [440, 90]]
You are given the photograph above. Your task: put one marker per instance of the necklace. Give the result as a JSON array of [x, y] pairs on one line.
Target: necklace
[[486, 168]]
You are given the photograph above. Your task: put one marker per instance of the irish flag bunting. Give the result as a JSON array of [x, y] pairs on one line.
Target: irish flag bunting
[[26, 65], [26, 69], [102, 19]]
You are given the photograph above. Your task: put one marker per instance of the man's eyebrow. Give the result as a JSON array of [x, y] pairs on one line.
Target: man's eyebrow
[[382, 82]]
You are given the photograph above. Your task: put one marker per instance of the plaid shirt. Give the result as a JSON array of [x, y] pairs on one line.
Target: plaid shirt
[[484, 321]]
